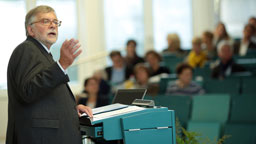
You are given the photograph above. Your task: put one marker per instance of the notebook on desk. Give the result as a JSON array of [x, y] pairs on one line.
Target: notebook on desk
[[127, 96]]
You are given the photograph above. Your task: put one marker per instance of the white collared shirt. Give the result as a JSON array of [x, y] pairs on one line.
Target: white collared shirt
[[243, 48], [48, 51]]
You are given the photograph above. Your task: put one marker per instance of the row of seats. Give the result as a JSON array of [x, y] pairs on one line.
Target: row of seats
[[248, 61], [232, 85], [215, 115]]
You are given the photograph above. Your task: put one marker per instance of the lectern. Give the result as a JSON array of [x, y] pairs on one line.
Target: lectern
[[132, 124]]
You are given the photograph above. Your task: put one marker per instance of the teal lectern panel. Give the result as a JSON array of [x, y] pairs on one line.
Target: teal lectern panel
[[150, 136]]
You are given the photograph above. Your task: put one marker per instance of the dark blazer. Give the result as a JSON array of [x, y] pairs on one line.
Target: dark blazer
[[128, 72], [251, 46], [101, 100], [218, 71], [160, 70], [42, 108]]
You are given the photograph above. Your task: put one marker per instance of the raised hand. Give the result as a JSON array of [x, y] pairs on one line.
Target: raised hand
[[68, 52]]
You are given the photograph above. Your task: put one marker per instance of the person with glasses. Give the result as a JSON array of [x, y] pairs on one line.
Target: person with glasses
[[42, 108]]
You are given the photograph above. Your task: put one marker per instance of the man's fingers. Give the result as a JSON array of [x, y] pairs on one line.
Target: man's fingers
[[87, 111], [77, 54], [75, 48], [73, 43]]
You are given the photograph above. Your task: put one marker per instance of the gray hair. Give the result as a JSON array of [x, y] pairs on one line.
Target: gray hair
[[33, 12], [225, 43]]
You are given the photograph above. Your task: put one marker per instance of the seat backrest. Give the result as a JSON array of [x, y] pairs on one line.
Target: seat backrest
[[211, 108], [180, 104], [230, 86], [240, 133], [206, 130], [248, 85], [243, 109], [164, 83]]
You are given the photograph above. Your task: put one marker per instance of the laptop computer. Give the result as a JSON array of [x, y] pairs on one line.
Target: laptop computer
[[127, 96]]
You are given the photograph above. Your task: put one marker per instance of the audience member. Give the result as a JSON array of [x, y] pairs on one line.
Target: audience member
[[220, 34], [252, 21], [90, 95], [184, 85], [174, 47], [242, 47], [154, 59], [208, 46], [132, 58], [118, 72], [141, 73], [104, 87], [196, 57], [226, 65]]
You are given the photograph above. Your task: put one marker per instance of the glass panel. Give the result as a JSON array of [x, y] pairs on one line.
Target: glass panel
[[235, 14], [172, 16], [123, 21], [66, 12], [12, 30]]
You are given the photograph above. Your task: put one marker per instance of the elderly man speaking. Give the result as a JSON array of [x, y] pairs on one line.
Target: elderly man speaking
[[42, 108]]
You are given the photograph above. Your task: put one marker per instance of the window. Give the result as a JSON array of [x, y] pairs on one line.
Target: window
[[66, 12], [172, 16], [12, 30], [235, 14], [123, 21]]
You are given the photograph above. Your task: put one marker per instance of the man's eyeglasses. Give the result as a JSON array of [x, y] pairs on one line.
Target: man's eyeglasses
[[48, 22]]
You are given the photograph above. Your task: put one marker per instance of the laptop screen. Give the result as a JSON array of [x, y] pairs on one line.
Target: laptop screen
[[127, 96]]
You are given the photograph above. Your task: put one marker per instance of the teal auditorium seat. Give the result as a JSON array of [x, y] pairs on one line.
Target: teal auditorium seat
[[243, 109], [204, 72], [248, 85], [171, 61], [240, 133], [207, 131], [248, 61], [211, 108], [180, 104], [164, 83], [230, 86]]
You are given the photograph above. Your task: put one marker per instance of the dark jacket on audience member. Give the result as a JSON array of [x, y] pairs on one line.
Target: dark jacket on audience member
[[131, 62], [159, 71], [251, 46], [223, 70], [128, 72], [102, 100]]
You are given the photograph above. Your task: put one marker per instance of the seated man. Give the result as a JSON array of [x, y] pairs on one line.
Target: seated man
[[184, 84], [225, 66], [119, 72]]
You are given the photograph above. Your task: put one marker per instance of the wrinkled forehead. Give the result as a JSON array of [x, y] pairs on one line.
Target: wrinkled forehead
[[46, 15]]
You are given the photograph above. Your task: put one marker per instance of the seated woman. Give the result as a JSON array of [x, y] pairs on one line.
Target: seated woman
[[154, 59], [173, 41], [132, 58], [197, 56], [142, 80], [90, 96], [184, 84], [208, 46], [245, 45]]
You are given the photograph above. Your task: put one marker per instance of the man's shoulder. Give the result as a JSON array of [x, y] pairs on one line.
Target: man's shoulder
[[26, 46]]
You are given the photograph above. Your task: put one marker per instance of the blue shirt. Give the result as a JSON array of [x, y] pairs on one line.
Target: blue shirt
[[118, 76]]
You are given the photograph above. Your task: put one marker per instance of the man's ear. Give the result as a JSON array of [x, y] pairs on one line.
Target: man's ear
[[30, 31]]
